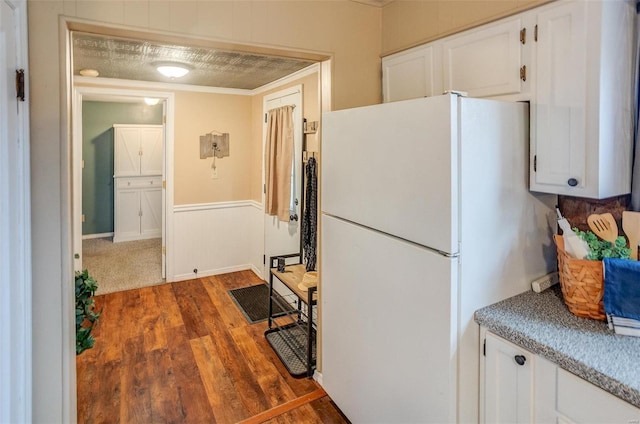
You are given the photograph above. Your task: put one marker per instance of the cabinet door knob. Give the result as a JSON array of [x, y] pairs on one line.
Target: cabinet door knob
[[520, 360], [572, 182]]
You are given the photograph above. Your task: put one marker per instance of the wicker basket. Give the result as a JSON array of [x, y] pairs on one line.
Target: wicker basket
[[582, 284]]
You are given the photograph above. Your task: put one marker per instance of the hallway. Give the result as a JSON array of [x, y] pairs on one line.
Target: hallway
[[184, 353]]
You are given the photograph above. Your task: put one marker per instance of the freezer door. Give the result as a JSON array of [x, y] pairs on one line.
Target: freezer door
[[393, 167], [388, 327]]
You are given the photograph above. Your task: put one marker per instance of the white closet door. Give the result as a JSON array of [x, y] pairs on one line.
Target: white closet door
[[127, 152], [127, 217], [151, 207], [151, 146]]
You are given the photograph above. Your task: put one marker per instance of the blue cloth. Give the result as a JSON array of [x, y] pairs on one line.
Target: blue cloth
[[622, 288]]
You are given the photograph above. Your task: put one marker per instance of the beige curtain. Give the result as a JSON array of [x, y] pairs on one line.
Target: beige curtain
[[278, 157]]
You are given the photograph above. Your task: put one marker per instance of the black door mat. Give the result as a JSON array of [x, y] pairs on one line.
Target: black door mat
[[253, 301]]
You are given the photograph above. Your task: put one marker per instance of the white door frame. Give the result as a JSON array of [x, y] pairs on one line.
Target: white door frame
[[295, 92], [15, 227], [113, 94]]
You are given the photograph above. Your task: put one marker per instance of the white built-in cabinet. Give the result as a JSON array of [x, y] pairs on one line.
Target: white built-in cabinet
[[485, 61], [518, 386], [137, 150], [572, 60], [581, 137], [413, 73], [138, 153], [508, 382]]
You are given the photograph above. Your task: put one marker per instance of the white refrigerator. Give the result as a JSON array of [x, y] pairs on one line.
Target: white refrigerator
[[426, 217]]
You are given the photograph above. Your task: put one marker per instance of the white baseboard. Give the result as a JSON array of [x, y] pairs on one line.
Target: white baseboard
[[95, 236], [317, 376], [257, 271], [212, 272]]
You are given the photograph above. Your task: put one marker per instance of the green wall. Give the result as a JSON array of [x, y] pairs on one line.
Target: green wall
[[97, 152]]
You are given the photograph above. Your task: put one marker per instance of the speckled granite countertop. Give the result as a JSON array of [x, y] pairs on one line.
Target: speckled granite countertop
[[542, 324]]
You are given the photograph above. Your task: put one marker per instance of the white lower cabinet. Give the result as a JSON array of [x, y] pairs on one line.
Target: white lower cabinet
[[507, 383], [518, 386], [138, 208]]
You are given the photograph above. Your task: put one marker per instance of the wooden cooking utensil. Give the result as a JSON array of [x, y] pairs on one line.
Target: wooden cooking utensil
[[631, 227], [604, 226]]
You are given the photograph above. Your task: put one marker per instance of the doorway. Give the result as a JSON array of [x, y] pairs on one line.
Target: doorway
[[283, 238], [103, 249]]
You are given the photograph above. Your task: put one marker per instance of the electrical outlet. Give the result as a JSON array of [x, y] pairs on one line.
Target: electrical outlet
[[543, 283], [214, 173]]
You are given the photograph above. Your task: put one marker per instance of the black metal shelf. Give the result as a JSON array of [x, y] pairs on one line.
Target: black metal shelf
[[292, 334]]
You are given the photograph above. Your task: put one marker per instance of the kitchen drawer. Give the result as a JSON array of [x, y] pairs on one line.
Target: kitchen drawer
[[139, 182], [582, 402]]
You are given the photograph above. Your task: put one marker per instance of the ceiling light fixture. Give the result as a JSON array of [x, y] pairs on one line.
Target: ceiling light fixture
[[89, 73], [151, 101], [172, 70]]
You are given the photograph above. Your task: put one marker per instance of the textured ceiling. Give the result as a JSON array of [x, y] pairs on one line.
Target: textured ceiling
[[129, 59]]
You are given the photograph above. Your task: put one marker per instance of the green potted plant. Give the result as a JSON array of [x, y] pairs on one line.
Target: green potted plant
[[86, 317]]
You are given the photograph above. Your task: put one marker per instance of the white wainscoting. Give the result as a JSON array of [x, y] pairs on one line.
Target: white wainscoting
[[216, 238]]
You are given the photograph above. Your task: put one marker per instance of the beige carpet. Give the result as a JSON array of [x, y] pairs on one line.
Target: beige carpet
[[123, 266]]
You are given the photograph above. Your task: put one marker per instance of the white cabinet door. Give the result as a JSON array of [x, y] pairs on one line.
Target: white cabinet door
[[484, 62], [560, 104], [151, 143], [582, 402], [541, 392], [138, 208], [413, 73], [138, 150], [127, 215], [127, 152], [151, 212], [508, 382], [581, 118]]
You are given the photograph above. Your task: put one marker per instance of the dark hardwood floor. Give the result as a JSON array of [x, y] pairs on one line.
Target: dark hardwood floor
[[184, 353]]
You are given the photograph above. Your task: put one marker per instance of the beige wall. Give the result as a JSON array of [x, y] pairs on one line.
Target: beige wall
[[197, 114], [407, 23], [348, 31]]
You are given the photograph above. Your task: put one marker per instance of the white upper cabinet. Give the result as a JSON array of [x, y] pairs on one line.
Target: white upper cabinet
[[413, 73], [581, 119], [485, 61], [138, 150]]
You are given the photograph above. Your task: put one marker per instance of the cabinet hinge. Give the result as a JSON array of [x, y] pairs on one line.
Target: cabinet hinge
[[523, 73], [484, 347], [164, 250], [535, 33], [82, 163], [264, 188], [535, 163], [84, 218], [265, 118], [164, 119], [20, 84], [264, 259], [139, 212], [164, 184], [523, 36]]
